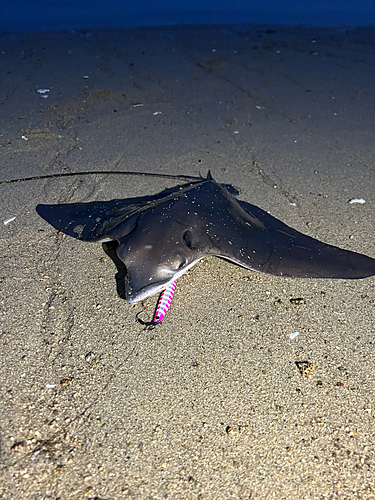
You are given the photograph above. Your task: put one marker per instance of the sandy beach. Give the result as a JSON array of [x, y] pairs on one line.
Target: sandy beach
[[219, 402]]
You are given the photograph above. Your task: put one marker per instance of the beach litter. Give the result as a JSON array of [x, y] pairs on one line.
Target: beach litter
[[43, 93], [359, 201], [8, 220]]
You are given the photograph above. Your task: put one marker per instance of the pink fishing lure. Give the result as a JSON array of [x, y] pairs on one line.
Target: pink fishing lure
[[164, 302]]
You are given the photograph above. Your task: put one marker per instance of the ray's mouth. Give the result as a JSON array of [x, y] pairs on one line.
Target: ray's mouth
[[134, 294]]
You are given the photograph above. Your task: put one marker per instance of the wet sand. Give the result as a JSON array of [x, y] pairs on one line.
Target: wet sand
[[219, 402]]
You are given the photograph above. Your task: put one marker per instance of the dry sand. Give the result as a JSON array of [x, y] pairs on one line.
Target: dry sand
[[211, 405]]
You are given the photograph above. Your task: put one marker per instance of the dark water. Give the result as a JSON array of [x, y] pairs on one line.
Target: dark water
[[47, 15]]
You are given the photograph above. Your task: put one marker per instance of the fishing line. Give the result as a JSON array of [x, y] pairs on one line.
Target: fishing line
[[104, 172]]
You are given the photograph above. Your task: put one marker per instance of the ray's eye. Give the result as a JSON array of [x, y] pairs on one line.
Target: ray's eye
[[188, 237]]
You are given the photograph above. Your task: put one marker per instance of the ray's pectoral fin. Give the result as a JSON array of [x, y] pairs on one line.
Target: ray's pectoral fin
[[94, 221], [280, 250], [101, 220], [310, 258]]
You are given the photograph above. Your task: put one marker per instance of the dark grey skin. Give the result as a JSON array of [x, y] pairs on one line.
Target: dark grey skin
[[160, 237]]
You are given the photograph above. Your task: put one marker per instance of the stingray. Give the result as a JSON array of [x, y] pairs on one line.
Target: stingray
[[160, 237]]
